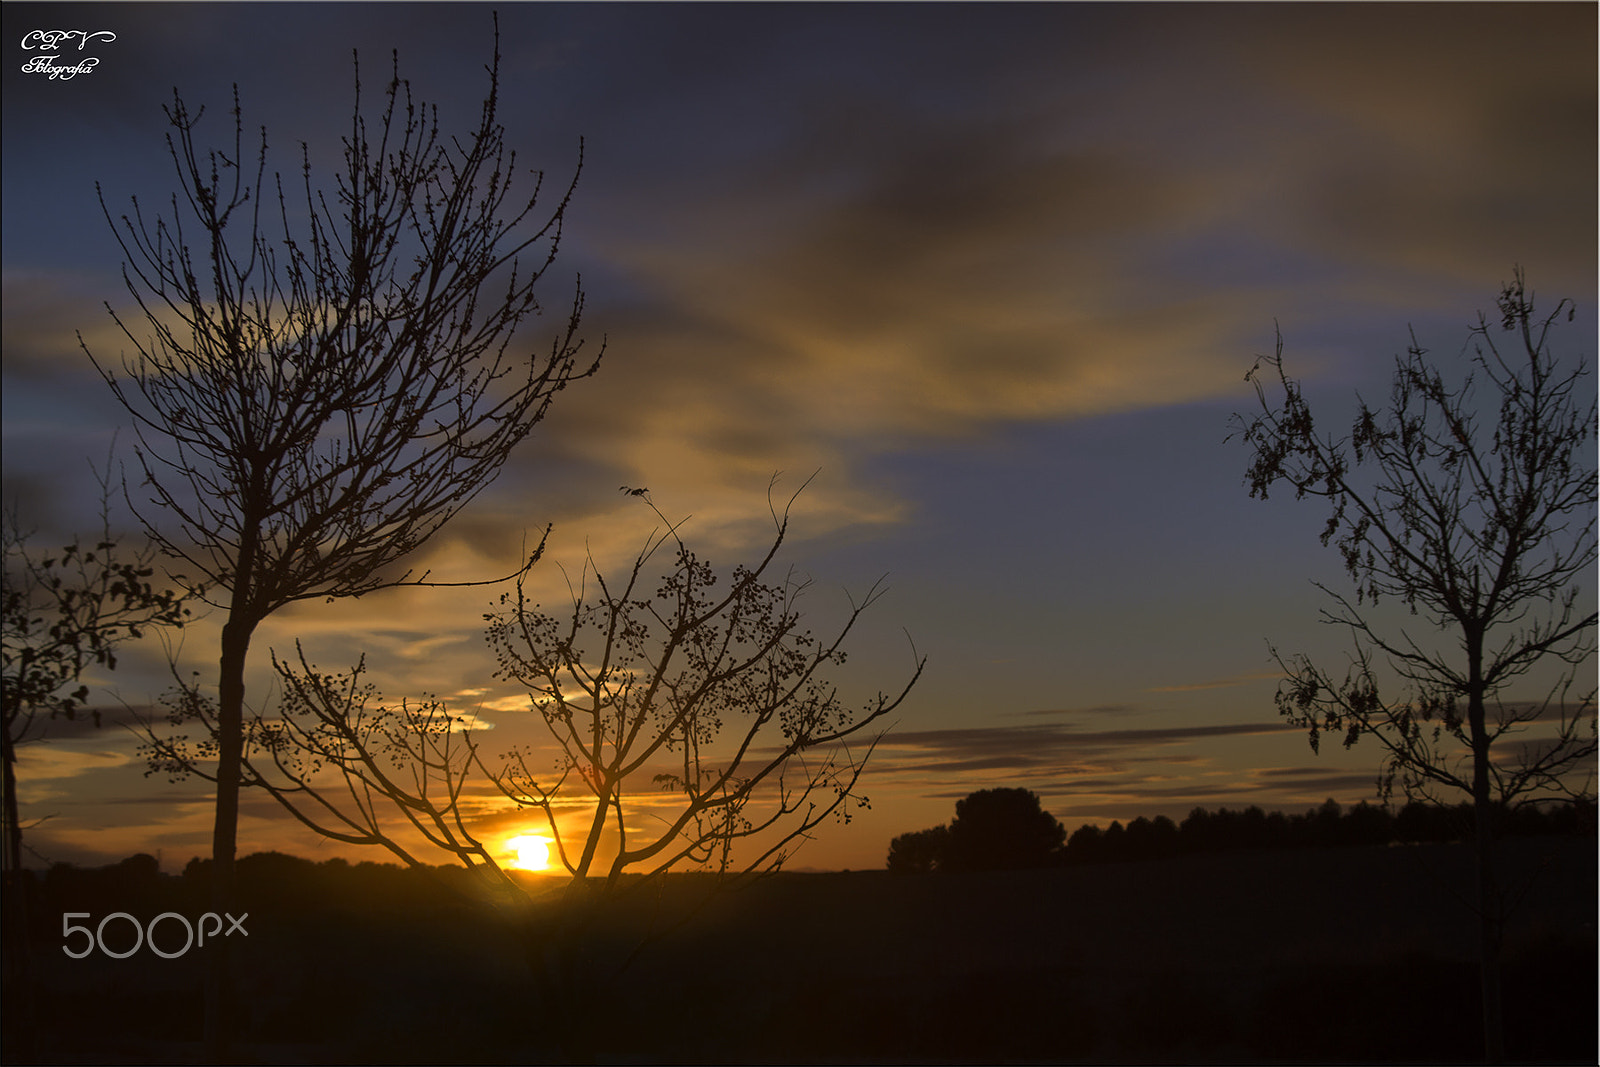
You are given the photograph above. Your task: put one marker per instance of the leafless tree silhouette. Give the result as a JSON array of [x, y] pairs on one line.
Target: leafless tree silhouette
[[717, 694], [1487, 533], [323, 381], [692, 717]]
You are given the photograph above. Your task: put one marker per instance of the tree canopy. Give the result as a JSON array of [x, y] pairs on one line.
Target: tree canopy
[[998, 829]]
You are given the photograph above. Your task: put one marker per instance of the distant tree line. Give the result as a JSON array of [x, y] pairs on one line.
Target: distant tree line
[[1327, 826], [1013, 839]]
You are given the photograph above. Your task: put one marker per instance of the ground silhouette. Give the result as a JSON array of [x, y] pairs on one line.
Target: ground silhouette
[[1192, 957]]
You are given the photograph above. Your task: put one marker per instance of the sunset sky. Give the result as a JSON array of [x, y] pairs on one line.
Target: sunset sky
[[994, 272]]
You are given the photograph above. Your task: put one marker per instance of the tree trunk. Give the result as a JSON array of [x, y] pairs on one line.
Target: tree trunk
[[1483, 816], [219, 1001], [1489, 934], [18, 1001], [12, 843], [550, 946]]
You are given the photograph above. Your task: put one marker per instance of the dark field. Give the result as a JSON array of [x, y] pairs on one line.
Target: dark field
[[1333, 955]]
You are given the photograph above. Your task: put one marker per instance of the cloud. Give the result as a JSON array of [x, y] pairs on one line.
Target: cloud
[[876, 268], [1100, 775], [38, 340], [1450, 147], [873, 273], [951, 274], [1099, 709], [1219, 683], [1043, 750], [52, 762]]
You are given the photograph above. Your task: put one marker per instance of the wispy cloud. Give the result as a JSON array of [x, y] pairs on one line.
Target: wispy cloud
[[1047, 749], [1218, 683], [1098, 709], [45, 763]]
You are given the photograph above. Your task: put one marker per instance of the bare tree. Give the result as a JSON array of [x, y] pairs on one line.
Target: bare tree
[[1485, 531], [695, 725], [323, 382], [717, 695], [64, 612]]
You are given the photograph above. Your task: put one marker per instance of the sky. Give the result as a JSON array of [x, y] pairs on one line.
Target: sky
[[993, 274]]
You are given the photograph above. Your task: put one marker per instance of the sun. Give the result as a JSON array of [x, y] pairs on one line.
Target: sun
[[532, 852]]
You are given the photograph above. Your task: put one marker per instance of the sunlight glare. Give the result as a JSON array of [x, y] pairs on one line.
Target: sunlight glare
[[532, 852]]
